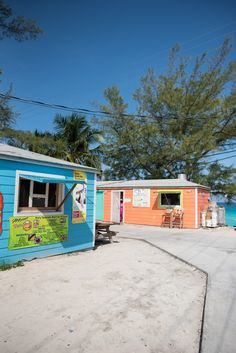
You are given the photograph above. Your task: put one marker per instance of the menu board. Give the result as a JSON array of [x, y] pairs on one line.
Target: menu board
[[27, 231], [141, 197]]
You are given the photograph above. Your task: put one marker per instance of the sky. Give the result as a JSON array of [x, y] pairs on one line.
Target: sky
[[90, 45]]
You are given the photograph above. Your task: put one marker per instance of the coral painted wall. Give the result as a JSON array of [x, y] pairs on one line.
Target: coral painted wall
[[153, 215]]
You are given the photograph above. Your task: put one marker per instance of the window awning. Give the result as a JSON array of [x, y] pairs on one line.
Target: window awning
[[43, 179]]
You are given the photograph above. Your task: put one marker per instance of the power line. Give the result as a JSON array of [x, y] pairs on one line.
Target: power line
[[191, 40], [216, 154], [65, 107], [218, 160], [222, 159], [209, 32], [86, 111], [184, 50], [210, 40]]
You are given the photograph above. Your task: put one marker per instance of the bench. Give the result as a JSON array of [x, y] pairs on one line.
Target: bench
[[103, 231]]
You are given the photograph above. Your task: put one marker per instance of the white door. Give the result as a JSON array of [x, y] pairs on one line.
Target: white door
[[115, 215]]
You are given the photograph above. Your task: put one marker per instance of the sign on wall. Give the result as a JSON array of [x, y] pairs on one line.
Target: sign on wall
[[141, 197], [78, 175], [79, 198], [28, 231]]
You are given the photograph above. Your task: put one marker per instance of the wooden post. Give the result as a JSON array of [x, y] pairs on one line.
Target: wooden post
[[66, 197]]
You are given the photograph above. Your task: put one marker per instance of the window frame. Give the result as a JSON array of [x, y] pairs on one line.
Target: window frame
[[37, 211], [171, 191]]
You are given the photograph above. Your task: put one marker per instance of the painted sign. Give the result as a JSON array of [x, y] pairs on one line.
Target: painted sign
[[27, 231], [141, 197], [79, 198], [78, 175]]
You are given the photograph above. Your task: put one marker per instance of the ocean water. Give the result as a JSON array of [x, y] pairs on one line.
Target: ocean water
[[230, 211]]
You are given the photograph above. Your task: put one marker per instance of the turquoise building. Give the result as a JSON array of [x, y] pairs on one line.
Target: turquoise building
[[47, 205]]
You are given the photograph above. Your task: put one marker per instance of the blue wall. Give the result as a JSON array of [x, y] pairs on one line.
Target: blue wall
[[80, 236]]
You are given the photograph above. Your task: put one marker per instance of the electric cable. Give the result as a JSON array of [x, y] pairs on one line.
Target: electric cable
[[77, 109]]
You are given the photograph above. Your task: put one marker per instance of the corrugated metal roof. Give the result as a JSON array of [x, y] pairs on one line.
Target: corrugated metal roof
[[14, 153], [163, 183]]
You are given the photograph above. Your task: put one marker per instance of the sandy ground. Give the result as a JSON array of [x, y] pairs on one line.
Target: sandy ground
[[121, 298], [214, 251]]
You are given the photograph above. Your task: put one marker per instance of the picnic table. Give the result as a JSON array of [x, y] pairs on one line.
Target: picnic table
[[103, 231]]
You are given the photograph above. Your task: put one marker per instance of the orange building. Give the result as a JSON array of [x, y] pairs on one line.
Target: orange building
[[145, 201]]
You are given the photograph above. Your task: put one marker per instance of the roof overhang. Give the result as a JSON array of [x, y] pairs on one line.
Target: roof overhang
[[105, 187], [55, 164], [42, 179]]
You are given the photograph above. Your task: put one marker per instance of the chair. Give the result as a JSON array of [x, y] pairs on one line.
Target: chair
[[167, 218], [177, 220]]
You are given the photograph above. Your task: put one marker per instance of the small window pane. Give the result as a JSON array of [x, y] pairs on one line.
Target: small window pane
[[38, 202], [39, 188], [24, 193], [52, 195], [172, 199]]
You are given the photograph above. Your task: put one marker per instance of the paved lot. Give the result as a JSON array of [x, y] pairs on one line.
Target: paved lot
[[121, 298], [215, 252]]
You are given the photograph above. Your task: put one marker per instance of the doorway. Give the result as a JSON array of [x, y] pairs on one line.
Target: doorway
[[117, 209], [100, 205]]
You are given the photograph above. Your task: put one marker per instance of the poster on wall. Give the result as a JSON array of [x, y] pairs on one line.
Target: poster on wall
[[79, 198], [28, 231], [141, 197], [78, 175]]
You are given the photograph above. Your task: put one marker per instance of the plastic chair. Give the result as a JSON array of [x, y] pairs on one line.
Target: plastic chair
[[167, 218], [177, 220]]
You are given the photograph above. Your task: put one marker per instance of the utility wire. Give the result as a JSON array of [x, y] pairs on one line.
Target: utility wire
[[77, 109], [216, 154], [217, 160], [222, 159], [65, 107], [155, 54]]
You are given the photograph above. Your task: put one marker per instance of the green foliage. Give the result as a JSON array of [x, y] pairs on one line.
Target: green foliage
[[7, 116], [39, 142], [80, 140], [20, 29], [182, 116], [75, 140], [221, 180], [118, 137], [5, 267], [17, 27]]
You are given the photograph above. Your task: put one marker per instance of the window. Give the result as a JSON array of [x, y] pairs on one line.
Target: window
[[34, 196], [169, 199]]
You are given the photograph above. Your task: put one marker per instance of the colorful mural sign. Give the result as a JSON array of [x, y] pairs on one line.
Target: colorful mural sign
[[79, 198], [27, 231]]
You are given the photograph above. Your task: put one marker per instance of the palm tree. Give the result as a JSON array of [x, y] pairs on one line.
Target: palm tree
[[81, 141], [39, 142]]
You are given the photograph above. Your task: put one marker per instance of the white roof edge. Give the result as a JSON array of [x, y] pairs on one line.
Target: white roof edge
[[19, 154], [146, 184], [153, 186]]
